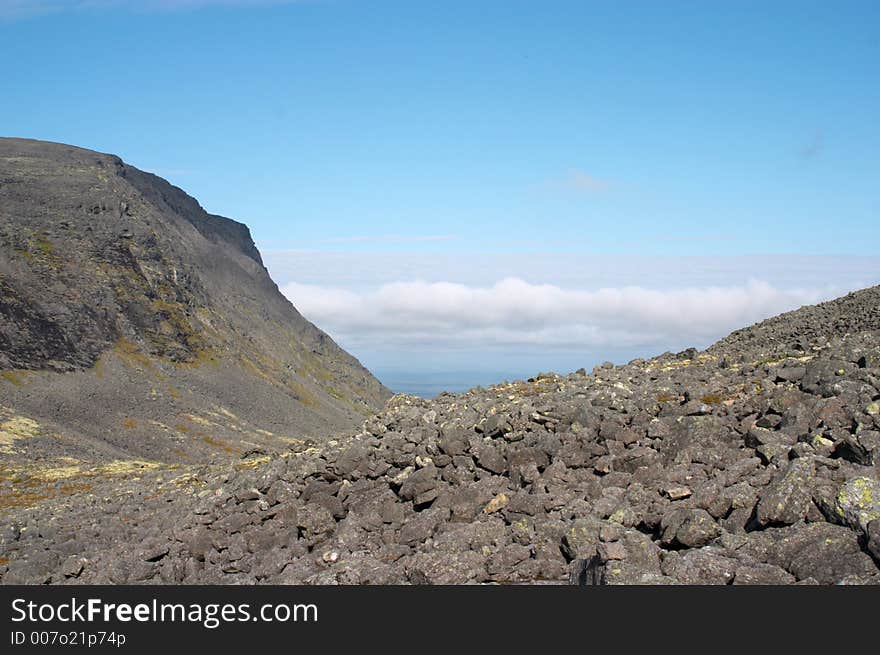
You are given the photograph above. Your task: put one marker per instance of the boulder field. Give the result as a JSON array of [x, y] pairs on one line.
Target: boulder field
[[753, 462]]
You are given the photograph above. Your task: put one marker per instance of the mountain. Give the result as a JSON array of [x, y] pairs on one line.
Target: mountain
[[135, 326], [753, 462]]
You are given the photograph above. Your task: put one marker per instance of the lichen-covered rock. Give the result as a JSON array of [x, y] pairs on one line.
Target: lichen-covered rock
[[858, 502], [581, 539], [690, 528], [788, 499], [822, 551]]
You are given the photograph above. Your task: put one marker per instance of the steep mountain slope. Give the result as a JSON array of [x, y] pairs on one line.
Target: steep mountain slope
[[695, 468], [135, 325]]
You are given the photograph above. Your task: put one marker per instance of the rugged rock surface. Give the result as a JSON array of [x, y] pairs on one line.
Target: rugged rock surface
[[136, 327], [694, 468]]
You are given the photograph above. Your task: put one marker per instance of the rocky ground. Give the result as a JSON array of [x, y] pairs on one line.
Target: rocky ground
[[754, 462]]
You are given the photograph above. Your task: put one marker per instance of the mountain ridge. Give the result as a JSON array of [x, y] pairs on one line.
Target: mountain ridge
[[118, 288]]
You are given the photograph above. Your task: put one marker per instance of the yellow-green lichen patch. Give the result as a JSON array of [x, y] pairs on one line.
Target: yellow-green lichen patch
[[126, 466], [15, 378], [57, 473], [131, 356], [252, 463], [302, 394], [681, 363], [16, 428], [819, 441], [66, 476], [38, 250], [858, 502], [772, 360], [221, 445], [858, 490]]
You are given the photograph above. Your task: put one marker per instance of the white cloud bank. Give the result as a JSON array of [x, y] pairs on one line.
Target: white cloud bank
[[515, 312]]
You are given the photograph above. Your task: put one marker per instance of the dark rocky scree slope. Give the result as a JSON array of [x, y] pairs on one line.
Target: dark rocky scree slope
[[713, 467], [118, 291]]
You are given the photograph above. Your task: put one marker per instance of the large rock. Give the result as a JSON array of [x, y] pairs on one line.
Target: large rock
[[825, 552], [788, 499], [421, 486], [690, 528], [858, 502]]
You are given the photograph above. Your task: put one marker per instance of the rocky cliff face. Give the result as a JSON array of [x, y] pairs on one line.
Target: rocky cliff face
[[754, 462], [133, 324]]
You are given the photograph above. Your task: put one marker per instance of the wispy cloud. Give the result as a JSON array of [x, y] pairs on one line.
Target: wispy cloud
[[576, 181], [391, 238], [513, 311], [582, 181], [11, 9], [812, 148]]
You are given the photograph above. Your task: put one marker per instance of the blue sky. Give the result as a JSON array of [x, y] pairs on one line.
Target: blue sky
[[563, 144]]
